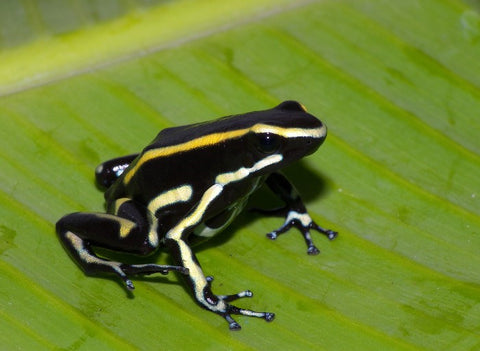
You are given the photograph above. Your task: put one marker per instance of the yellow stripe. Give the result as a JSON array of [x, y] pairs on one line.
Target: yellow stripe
[[126, 225], [119, 203], [210, 139], [229, 177], [196, 216], [188, 261], [291, 132], [215, 138], [181, 194]]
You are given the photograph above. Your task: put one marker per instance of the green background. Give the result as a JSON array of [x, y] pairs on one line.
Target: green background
[[397, 83]]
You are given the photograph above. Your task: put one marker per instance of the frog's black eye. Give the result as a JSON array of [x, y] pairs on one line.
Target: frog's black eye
[[268, 143]]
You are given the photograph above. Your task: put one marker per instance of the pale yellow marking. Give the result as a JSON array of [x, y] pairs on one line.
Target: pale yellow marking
[[229, 177], [196, 216], [291, 132], [152, 234], [77, 244], [125, 225], [181, 194], [119, 203], [215, 138], [243, 172], [303, 218], [198, 277]]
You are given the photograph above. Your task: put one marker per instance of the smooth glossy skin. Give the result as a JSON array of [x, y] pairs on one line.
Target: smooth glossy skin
[[188, 185]]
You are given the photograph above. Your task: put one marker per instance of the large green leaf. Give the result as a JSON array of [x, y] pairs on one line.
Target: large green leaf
[[398, 85]]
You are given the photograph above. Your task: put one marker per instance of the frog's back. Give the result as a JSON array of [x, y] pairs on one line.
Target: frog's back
[[286, 115], [196, 154]]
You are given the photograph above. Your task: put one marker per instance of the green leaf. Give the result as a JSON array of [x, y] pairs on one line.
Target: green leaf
[[397, 84]]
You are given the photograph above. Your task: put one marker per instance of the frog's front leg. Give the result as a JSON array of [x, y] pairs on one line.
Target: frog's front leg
[[109, 171], [294, 211], [128, 231], [200, 285]]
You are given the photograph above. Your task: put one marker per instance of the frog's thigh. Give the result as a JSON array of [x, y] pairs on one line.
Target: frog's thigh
[[128, 231]]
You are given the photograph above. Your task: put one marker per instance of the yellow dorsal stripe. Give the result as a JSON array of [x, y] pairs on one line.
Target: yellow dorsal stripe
[[206, 140], [214, 138]]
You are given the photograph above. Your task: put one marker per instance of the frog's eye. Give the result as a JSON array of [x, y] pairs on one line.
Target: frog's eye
[[268, 143]]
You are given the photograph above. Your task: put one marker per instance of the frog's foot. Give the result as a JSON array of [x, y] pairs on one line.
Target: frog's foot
[[229, 298], [233, 325], [230, 309], [304, 223], [124, 270]]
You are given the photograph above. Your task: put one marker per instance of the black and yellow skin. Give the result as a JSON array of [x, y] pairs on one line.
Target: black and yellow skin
[[188, 185]]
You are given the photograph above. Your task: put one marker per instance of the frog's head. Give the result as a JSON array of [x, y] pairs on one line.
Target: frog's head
[[283, 135]]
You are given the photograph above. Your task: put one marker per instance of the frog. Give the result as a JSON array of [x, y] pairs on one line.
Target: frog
[[186, 187]]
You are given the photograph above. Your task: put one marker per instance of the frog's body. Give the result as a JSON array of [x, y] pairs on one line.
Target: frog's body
[[188, 185]]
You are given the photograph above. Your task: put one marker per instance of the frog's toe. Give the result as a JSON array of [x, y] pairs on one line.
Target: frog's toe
[[118, 269], [269, 316], [313, 250], [233, 325], [330, 234], [129, 284], [233, 297]]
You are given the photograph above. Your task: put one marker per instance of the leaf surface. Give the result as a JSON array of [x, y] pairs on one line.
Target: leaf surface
[[397, 85]]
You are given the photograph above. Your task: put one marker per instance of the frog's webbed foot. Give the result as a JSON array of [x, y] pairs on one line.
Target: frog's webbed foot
[[230, 309], [303, 222]]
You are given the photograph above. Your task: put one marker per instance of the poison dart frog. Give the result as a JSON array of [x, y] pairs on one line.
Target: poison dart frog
[[186, 186]]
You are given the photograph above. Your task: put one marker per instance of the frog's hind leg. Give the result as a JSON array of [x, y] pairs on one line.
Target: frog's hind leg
[[128, 232]]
